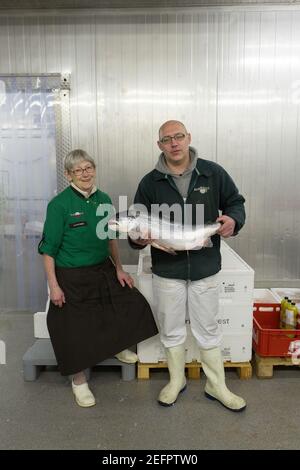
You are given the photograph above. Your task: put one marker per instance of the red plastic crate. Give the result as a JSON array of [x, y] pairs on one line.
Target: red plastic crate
[[268, 338]]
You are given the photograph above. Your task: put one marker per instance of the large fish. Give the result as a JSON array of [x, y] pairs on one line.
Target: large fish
[[164, 235]]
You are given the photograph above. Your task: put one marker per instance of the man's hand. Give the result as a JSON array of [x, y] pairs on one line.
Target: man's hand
[[57, 296], [125, 278], [227, 227]]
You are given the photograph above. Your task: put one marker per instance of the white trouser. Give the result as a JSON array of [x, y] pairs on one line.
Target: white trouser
[[174, 298]]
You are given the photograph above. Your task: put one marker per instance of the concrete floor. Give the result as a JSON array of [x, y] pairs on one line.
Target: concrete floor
[[43, 414]]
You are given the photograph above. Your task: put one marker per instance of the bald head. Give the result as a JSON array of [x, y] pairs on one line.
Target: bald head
[[174, 141], [171, 123]]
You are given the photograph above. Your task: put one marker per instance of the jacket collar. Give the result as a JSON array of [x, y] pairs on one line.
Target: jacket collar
[[202, 168]]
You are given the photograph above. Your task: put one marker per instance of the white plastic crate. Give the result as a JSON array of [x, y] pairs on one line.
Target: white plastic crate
[[40, 322], [236, 277], [231, 315], [264, 296], [151, 350], [291, 293], [132, 270], [40, 325], [235, 347], [144, 284], [144, 264], [235, 315]]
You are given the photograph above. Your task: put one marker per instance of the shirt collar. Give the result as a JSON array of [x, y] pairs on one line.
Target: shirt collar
[[84, 193]]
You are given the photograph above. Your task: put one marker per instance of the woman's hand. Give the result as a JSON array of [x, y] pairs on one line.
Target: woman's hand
[[57, 296], [125, 278]]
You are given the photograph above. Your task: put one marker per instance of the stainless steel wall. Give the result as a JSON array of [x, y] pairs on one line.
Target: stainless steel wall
[[232, 75]]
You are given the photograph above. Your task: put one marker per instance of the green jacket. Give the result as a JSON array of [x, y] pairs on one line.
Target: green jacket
[[69, 234], [210, 185]]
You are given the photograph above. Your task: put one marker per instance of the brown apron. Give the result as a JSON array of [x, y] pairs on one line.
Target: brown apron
[[99, 319]]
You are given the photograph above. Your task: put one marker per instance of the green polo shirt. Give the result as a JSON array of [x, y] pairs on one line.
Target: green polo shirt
[[70, 230]]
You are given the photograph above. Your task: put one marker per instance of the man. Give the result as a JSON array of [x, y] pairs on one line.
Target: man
[[189, 279]]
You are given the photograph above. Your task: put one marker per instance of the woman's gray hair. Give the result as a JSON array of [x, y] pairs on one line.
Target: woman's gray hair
[[77, 156]]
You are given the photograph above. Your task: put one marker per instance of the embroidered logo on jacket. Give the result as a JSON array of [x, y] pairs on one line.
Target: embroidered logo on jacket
[[202, 189], [76, 214]]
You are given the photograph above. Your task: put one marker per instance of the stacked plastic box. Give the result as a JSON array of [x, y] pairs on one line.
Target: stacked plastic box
[[292, 293], [269, 340], [235, 312]]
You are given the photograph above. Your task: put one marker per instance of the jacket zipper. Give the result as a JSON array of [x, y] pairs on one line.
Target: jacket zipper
[[189, 265]]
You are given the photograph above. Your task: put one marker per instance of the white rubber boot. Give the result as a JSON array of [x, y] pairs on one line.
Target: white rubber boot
[[127, 356], [215, 388], [83, 395], [176, 364]]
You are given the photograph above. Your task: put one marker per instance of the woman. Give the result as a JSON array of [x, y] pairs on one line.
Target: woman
[[95, 312]]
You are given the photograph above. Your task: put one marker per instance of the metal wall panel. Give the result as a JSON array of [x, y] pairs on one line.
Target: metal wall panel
[[123, 4], [258, 111], [231, 75]]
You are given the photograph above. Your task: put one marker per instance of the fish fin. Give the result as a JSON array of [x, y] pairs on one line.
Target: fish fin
[[207, 243], [160, 247]]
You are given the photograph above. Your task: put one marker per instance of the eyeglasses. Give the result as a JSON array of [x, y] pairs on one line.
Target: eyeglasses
[[79, 171], [168, 138]]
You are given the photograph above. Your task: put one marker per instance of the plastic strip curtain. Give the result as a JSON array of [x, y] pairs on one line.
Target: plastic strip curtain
[[27, 183]]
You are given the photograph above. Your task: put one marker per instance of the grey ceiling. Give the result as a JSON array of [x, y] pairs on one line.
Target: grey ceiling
[[75, 4]]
